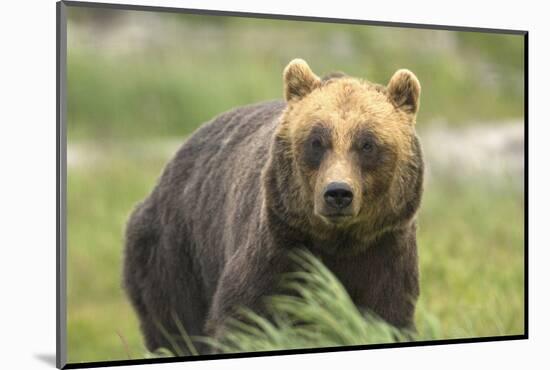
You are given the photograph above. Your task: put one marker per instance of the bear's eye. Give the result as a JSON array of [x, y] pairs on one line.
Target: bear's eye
[[314, 151], [316, 144], [368, 146]]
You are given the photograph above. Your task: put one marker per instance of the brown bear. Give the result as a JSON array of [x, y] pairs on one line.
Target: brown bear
[[336, 169]]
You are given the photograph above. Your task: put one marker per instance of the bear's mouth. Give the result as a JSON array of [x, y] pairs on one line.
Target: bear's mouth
[[337, 218]]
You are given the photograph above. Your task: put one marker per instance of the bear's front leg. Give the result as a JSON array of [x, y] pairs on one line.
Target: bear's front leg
[[250, 275], [396, 280], [383, 279]]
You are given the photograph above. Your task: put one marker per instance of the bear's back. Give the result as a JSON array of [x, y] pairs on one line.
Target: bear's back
[[211, 187], [235, 130], [234, 141]]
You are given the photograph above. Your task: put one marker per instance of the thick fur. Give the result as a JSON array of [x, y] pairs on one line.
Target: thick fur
[[215, 232]]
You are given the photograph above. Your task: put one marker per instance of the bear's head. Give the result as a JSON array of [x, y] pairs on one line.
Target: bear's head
[[345, 157]]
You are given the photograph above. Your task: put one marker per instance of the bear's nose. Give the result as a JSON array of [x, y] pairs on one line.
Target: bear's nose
[[338, 195]]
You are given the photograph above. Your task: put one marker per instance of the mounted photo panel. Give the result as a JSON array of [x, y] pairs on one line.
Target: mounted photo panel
[[235, 185]]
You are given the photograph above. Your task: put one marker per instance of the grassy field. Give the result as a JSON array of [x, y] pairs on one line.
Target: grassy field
[[137, 80], [470, 240]]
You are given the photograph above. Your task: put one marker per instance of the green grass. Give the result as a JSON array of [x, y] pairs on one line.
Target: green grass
[[470, 243], [99, 202], [471, 256], [316, 312]]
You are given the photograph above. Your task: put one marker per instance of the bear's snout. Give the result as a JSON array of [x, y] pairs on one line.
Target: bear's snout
[[338, 197]]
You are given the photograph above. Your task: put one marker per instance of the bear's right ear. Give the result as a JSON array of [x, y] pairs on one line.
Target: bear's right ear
[[299, 80], [404, 91]]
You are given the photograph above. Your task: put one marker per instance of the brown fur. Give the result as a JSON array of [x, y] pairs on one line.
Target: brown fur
[[248, 187]]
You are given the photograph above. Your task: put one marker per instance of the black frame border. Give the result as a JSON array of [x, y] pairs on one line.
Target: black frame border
[[61, 186], [61, 173]]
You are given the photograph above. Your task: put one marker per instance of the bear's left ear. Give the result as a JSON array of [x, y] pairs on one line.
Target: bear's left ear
[[404, 91], [299, 80]]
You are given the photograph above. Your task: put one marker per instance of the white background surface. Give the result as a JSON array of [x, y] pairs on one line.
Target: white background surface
[[27, 193]]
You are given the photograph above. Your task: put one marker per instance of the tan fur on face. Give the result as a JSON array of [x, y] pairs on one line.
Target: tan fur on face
[[337, 168], [347, 105]]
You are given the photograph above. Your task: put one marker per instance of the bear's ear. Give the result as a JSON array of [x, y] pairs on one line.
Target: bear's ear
[[299, 80], [404, 91]]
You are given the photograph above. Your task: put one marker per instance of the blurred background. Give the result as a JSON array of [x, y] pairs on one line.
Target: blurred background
[[140, 82]]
